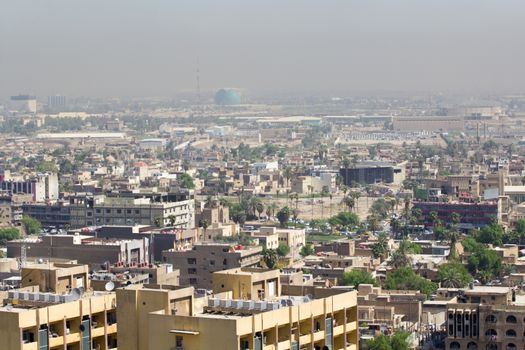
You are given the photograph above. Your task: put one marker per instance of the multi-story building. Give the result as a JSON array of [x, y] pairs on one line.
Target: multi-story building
[[84, 249], [170, 318], [472, 215], [486, 318], [198, 264], [42, 187], [56, 214], [133, 209], [66, 318], [54, 277], [371, 173], [10, 212], [294, 239]]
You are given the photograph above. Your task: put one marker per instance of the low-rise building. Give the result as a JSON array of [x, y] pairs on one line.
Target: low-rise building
[[198, 264]]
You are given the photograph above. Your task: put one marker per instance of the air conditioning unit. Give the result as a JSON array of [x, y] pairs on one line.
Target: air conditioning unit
[[225, 303], [261, 306], [213, 302], [237, 304], [248, 305]]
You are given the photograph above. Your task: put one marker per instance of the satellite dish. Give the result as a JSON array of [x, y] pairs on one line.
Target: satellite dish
[[109, 286], [76, 293], [40, 261]]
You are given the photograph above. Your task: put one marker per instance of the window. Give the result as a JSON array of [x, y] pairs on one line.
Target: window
[[119, 211], [128, 211], [455, 345], [192, 261], [491, 333], [178, 342], [472, 346], [511, 319], [510, 333], [491, 319], [192, 271], [137, 211], [98, 211], [212, 262], [108, 211]]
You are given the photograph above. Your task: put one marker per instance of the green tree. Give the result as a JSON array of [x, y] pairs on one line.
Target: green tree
[[46, 167], [9, 233], [31, 225], [380, 248], [307, 250], [357, 277], [491, 234], [344, 220], [269, 257], [406, 279], [283, 216], [238, 213], [283, 250], [185, 181], [453, 275], [397, 341], [380, 208]]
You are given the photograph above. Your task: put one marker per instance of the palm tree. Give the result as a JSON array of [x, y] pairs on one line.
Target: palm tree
[[253, 204], [451, 278], [355, 196], [273, 207], [331, 196], [349, 202], [288, 174], [433, 216], [260, 208], [401, 257]]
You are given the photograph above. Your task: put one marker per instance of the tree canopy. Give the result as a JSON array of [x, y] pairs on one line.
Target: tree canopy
[[357, 277], [453, 275], [185, 181], [31, 225], [406, 279], [397, 341], [9, 233]]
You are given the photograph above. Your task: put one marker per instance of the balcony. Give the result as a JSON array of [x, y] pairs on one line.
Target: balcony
[[338, 330], [30, 346], [57, 340]]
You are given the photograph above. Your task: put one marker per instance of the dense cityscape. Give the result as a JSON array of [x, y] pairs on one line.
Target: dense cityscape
[[241, 218]]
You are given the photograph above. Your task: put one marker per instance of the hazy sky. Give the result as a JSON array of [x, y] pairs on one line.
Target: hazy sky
[[151, 47]]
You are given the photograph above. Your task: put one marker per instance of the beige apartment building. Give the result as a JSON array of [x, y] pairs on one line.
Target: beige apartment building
[[168, 318], [104, 210], [70, 317]]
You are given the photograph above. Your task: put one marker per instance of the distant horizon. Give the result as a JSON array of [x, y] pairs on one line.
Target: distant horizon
[[135, 48]]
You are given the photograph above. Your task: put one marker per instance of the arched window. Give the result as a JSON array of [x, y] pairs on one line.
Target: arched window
[[490, 319], [455, 345], [472, 346], [511, 319], [510, 333], [491, 333], [511, 346]]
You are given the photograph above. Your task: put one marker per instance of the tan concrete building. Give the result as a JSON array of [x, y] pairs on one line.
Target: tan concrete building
[[486, 318], [175, 319], [198, 264], [55, 277], [248, 283], [84, 249], [27, 322]]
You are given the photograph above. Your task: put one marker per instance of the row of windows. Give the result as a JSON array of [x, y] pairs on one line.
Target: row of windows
[[473, 346]]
